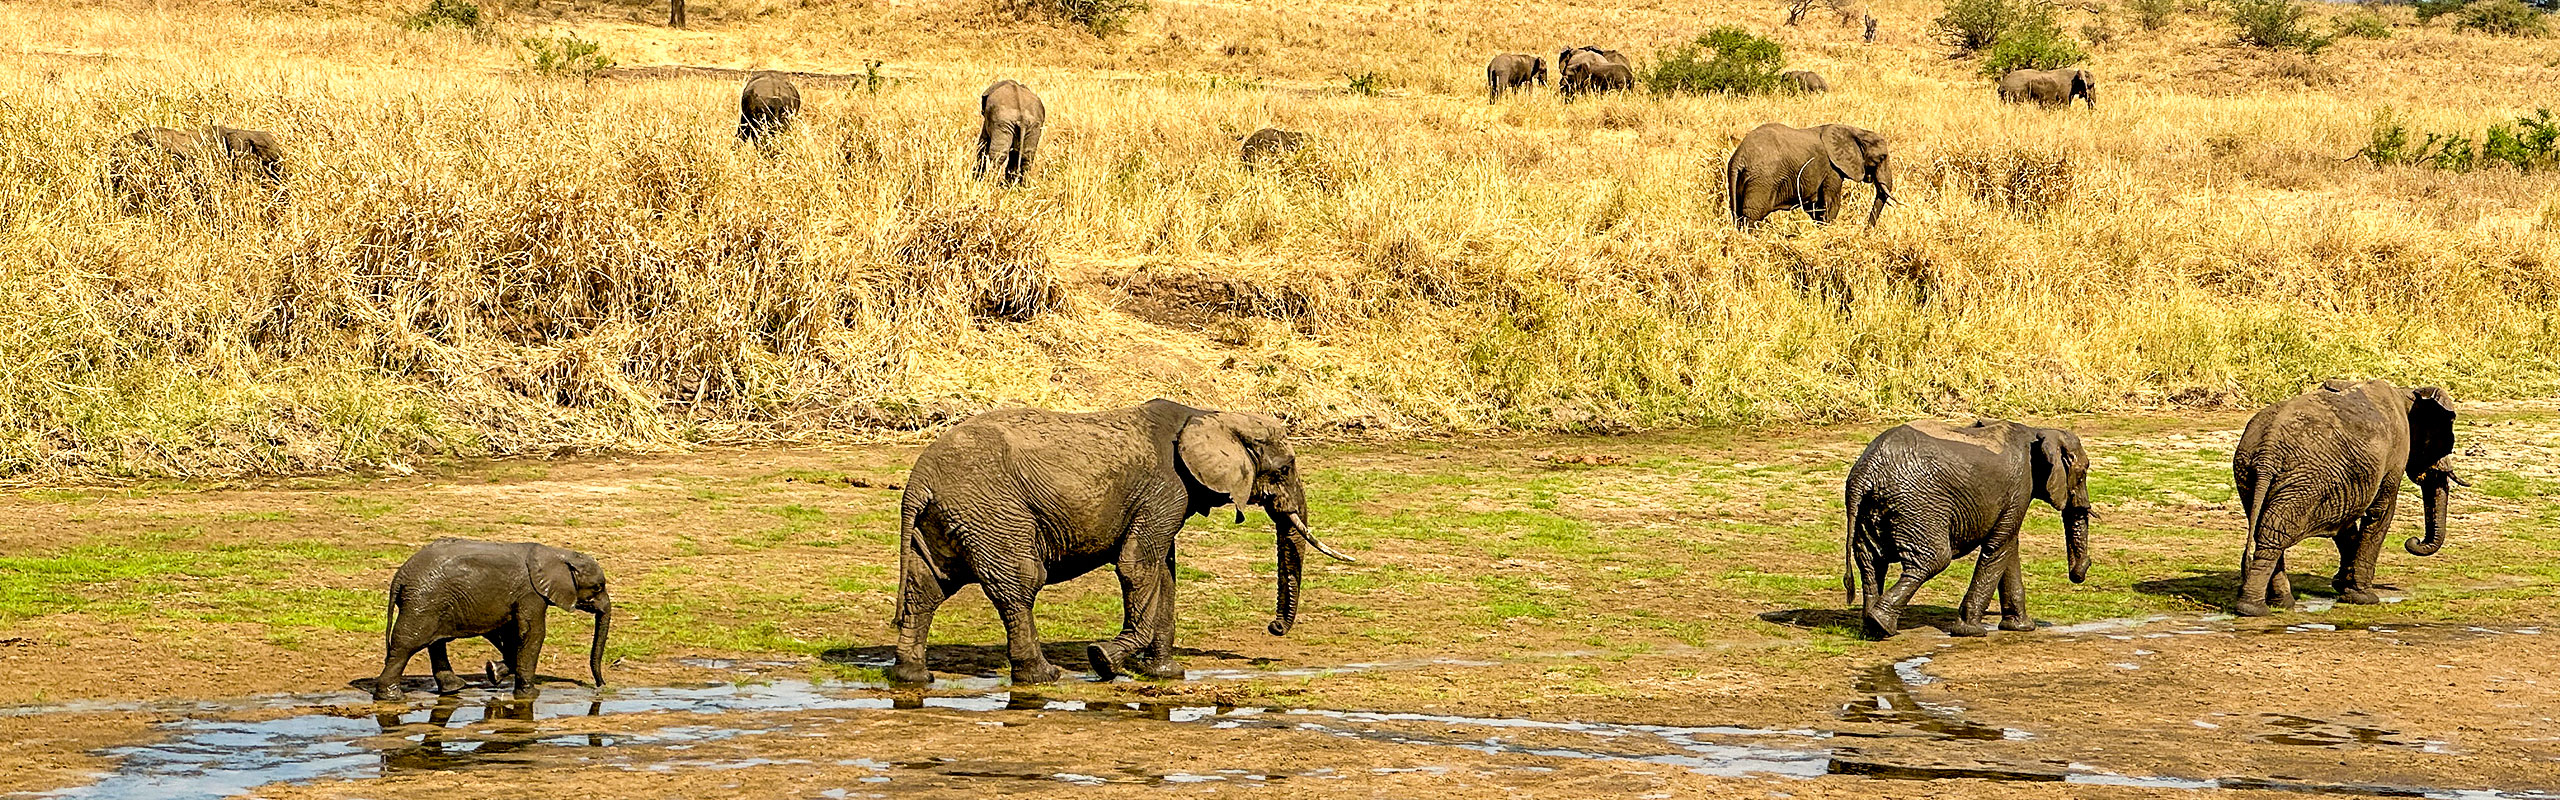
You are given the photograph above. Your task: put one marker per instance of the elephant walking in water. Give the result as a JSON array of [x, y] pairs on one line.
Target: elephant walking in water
[[1927, 493], [766, 106], [502, 591], [1019, 499], [1511, 72], [1777, 167], [1009, 133], [2050, 88], [2328, 463]]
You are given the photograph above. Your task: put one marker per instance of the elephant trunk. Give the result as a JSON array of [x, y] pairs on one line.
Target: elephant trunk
[[595, 650], [2436, 486], [1291, 527], [2075, 539], [1884, 193]]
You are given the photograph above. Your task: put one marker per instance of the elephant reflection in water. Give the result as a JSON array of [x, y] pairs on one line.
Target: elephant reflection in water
[[448, 744]]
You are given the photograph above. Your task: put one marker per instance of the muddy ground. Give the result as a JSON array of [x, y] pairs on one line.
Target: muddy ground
[[1562, 617]]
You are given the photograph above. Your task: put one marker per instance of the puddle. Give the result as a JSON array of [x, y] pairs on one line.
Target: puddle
[[1887, 692], [2307, 732]]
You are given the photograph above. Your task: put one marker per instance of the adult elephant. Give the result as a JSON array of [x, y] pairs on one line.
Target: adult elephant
[[1587, 69], [1011, 117], [2050, 88], [766, 106], [1805, 81], [1019, 499], [163, 161], [2328, 463], [501, 591], [1511, 72], [1927, 493], [1269, 143], [1777, 167]]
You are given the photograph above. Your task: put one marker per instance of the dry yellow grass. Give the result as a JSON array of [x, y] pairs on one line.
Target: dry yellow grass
[[473, 260]]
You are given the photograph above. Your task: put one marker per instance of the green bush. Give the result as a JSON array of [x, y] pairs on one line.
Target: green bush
[[1972, 25], [2503, 18], [2031, 49], [1726, 59], [2429, 10], [2388, 143], [565, 56], [2529, 144], [2276, 24], [1102, 18], [2533, 143], [1366, 84], [457, 13], [2364, 25], [2152, 15]]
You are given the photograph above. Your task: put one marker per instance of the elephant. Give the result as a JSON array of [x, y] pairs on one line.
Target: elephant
[[1270, 143], [1927, 493], [1017, 499], [501, 591], [167, 152], [1511, 71], [766, 106], [1805, 81], [1591, 69], [1009, 136], [2050, 88], [2328, 463], [1777, 167]]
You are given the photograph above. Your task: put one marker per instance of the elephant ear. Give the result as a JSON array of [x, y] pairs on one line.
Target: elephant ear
[[1847, 149], [2430, 427], [1216, 449], [553, 576], [2053, 467]]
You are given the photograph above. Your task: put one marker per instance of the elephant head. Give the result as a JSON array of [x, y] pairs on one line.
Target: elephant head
[[1859, 154], [2431, 463], [1246, 458], [2083, 87], [572, 580], [2062, 481], [1538, 69]]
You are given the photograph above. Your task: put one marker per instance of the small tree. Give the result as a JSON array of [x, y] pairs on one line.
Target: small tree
[[1102, 18], [2503, 18], [2031, 49], [1973, 25], [457, 13], [2276, 24], [565, 56], [1726, 59], [2152, 15]]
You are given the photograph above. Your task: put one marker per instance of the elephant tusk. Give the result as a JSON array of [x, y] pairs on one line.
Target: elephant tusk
[[1327, 551]]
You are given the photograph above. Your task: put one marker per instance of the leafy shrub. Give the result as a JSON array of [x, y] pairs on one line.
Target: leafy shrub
[[1726, 59], [566, 56], [2098, 33], [2389, 141], [2429, 10], [2503, 18], [2033, 48], [2276, 24], [1972, 25], [1102, 18], [2364, 25], [2533, 143], [1366, 84], [2152, 15], [457, 13]]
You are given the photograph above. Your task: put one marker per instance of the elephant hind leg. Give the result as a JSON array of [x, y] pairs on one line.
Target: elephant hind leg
[[1884, 612], [2280, 585], [1014, 602], [919, 593]]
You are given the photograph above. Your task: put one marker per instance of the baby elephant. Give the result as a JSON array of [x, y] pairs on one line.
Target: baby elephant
[[501, 591], [1927, 493], [1270, 144]]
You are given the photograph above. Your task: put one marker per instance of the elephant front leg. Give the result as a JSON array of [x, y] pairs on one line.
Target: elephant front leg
[[524, 650], [2280, 584], [2013, 595], [1144, 647], [447, 682], [2356, 555]]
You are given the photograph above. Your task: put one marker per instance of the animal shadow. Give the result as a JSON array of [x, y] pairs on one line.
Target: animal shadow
[[426, 684], [1850, 621], [2218, 588], [991, 660]]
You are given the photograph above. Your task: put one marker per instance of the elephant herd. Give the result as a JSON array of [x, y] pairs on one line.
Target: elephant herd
[[1017, 500]]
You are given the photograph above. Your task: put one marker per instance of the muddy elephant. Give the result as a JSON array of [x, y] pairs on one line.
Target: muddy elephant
[[2328, 463], [1776, 167], [1512, 72], [1591, 69], [1268, 144], [1927, 493], [1009, 130], [1805, 81], [2050, 88], [1019, 499], [766, 106], [500, 591], [150, 160]]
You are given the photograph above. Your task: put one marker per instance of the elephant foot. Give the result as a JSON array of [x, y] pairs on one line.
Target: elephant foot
[[2248, 609], [2017, 623], [2283, 601], [388, 693], [450, 683], [908, 672], [1106, 661], [1036, 672], [2358, 597], [1879, 628], [1162, 669], [1968, 629], [527, 693]]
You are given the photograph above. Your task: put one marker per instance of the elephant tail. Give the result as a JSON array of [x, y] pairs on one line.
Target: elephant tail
[[390, 616], [2256, 504], [1733, 197], [1849, 551]]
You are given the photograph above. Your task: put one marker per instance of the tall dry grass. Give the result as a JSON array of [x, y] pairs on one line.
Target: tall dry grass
[[472, 261]]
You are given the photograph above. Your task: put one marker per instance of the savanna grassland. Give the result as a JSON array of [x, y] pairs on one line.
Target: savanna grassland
[[472, 259]]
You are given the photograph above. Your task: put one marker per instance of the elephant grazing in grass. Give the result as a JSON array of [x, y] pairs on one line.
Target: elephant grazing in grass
[[2328, 462], [1805, 81], [1269, 144], [1927, 493], [1591, 69], [766, 106], [1777, 167], [1511, 72], [501, 591], [2050, 88], [151, 157], [1019, 499], [1009, 133]]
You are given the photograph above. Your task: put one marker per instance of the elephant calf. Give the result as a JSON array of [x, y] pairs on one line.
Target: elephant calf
[[2050, 88], [766, 106], [1510, 72], [500, 591], [2328, 463], [1806, 81], [1268, 144], [166, 152], [1011, 117], [1019, 499], [1776, 167], [1927, 493]]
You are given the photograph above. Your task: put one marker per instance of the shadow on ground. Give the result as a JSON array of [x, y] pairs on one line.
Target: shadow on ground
[[2217, 589], [1847, 621], [990, 660]]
